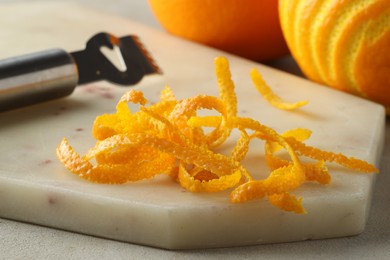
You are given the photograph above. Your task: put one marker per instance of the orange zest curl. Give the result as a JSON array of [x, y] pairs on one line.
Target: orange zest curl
[[168, 137], [270, 96]]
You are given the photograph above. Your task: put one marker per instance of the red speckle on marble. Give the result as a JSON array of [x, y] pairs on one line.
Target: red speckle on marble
[[79, 129], [48, 161], [107, 95], [60, 110], [104, 92], [52, 200], [89, 89]]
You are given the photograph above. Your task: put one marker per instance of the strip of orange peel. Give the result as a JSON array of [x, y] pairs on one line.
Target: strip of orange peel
[[270, 96], [168, 137]]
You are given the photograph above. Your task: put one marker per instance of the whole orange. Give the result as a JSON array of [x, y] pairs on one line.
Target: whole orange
[[343, 44], [248, 28]]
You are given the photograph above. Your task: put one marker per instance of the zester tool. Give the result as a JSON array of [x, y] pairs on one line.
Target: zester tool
[[55, 73]]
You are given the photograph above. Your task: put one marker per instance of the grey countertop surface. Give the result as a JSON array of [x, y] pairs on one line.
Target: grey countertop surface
[[25, 241]]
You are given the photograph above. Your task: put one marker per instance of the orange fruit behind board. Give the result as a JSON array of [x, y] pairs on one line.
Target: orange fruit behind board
[[247, 28], [342, 44]]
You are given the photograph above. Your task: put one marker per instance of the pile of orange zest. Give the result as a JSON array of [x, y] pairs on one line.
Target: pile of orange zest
[[169, 137]]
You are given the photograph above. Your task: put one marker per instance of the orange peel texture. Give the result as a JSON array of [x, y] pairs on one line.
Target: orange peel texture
[[168, 137]]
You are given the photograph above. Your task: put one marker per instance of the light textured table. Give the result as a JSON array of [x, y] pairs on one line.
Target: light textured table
[[25, 241]]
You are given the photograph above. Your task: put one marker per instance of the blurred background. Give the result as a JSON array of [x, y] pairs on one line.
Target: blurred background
[[140, 11]]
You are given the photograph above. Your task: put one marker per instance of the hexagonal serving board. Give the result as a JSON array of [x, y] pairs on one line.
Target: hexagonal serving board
[[36, 188]]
